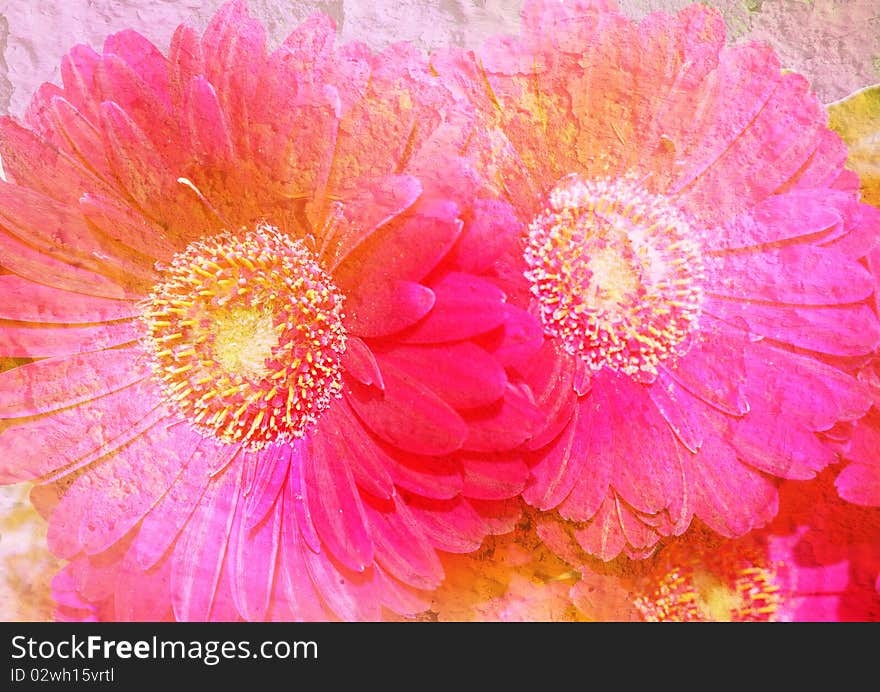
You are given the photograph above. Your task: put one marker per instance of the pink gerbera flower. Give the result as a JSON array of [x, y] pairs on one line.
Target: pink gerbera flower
[[817, 561], [269, 372], [691, 247]]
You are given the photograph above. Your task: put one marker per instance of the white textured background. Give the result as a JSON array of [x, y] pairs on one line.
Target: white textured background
[[834, 43]]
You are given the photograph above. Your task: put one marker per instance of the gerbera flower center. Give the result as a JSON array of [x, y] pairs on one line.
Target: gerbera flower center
[[245, 335], [616, 273], [746, 592]]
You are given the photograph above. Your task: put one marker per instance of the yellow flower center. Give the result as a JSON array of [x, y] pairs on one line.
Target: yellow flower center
[[245, 336], [617, 274], [744, 592]]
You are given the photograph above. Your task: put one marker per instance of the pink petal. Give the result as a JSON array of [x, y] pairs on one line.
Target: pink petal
[[462, 374], [105, 502], [123, 224], [799, 274], [369, 208], [273, 465], [30, 341], [408, 415], [359, 362], [794, 215], [603, 537], [198, 555], [80, 136], [421, 237], [54, 383], [504, 424], [464, 306], [253, 552], [32, 302], [400, 598], [432, 477], [59, 231], [141, 56], [388, 308], [368, 462], [500, 516], [727, 495], [401, 546], [37, 266], [492, 229], [451, 525], [334, 502], [78, 69], [35, 447], [487, 478], [207, 131], [519, 339], [559, 466], [162, 524], [143, 595]]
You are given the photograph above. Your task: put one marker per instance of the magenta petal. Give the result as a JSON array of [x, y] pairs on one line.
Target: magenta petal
[[713, 370], [334, 502], [491, 230], [387, 308], [350, 595], [359, 362], [199, 553], [793, 453], [401, 546], [54, 383], [401, 598], [32, 302], [462, 374], [551, 378], [253, 554], [679, 409], [408, 415], [451, 525], [487, 478], [504, 424], [295, 597], [369, 464], [519, 339], [124, 224], [464, 306]]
